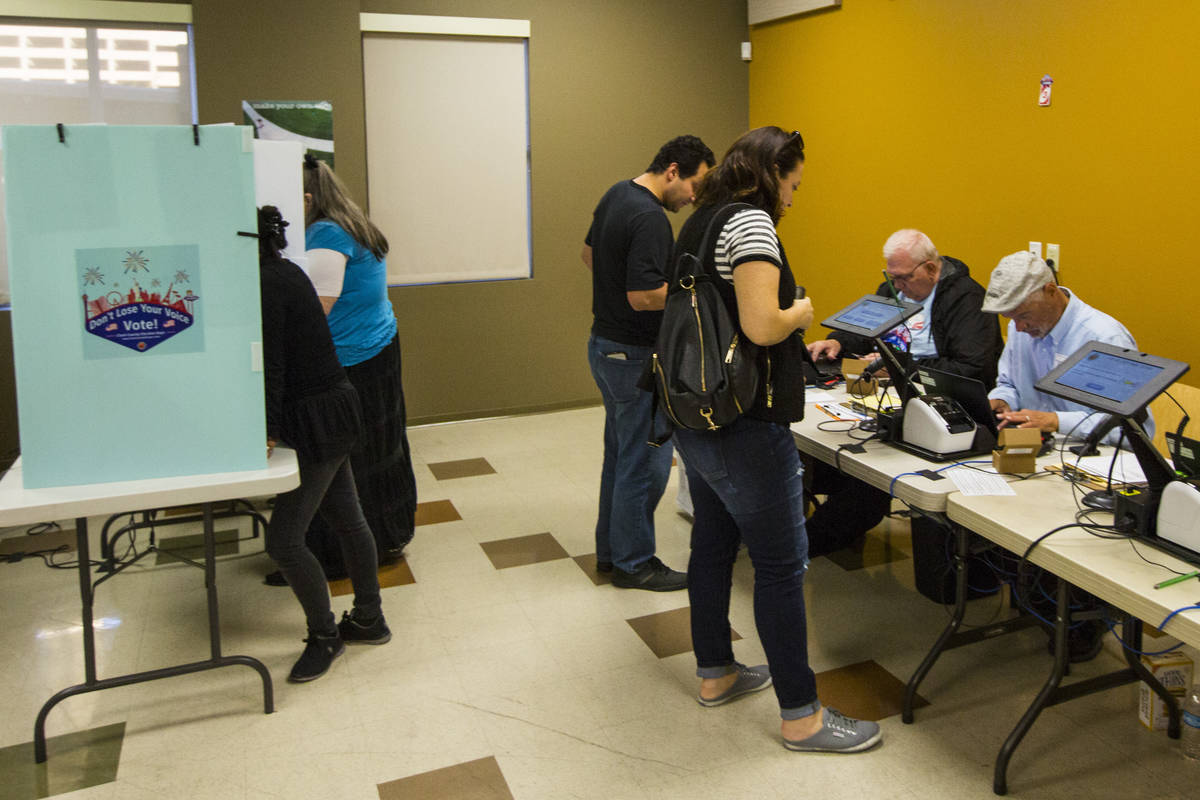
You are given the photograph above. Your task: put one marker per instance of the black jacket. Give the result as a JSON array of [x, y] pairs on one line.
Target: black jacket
[[968, 341]]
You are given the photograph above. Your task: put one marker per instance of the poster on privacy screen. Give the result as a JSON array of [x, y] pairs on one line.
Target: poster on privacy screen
[[137, 298]]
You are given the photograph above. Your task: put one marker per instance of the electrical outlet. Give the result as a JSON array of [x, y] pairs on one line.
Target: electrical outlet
[[1052, 257], [1036, 248]]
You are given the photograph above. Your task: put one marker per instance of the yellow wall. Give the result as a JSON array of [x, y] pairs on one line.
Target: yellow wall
[[923, 113]]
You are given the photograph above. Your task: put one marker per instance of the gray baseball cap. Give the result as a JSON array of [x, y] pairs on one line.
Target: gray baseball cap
[[1017, 276]]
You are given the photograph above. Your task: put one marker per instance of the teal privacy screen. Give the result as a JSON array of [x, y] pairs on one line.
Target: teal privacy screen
[[135, 301]]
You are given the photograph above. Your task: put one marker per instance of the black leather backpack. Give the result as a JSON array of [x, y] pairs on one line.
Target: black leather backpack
[[705, 372]]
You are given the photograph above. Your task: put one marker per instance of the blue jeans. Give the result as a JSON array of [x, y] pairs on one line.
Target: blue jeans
[[634, 475], [326, 487], [747, 486]]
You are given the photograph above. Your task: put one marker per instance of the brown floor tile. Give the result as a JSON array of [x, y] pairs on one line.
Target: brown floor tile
[[192, 546], [888, 542], [50, 540], [587, 563], [396, 574], [76, 761], [467, 468], [473, 780], [436, 511], [523, 550], [668, 633], [864, 690]]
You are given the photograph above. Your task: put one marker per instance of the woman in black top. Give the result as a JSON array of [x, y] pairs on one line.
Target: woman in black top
[[745, 477], [312, 408]]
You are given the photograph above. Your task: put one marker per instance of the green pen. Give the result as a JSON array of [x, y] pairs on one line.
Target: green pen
[[1176, 579], [888, 277]]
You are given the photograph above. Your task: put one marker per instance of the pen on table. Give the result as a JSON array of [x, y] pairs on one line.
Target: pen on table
[[1177, 579]]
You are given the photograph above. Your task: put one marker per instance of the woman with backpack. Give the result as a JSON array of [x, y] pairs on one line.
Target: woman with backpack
[[745, 477]]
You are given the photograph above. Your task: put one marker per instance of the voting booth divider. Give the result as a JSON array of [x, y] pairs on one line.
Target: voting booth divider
[[135, 312]]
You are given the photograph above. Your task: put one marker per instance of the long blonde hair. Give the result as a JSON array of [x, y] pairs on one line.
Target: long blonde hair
[[331, 201]]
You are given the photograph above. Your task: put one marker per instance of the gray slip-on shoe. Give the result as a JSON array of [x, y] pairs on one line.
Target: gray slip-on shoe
[[839, 734], [749, 679]]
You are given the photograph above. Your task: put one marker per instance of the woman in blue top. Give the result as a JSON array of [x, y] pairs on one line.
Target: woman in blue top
[[346, 264]]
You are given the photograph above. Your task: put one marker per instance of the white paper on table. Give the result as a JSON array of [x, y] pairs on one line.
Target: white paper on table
[[813, 396], [976, 483], [841, 413], [1126, 470]]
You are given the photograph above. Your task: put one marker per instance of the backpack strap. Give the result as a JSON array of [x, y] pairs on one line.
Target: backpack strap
[[702, 253]]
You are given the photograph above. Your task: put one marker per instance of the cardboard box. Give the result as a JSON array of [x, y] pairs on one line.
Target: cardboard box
[[852, 369], [1174, 671], [1016, 450]]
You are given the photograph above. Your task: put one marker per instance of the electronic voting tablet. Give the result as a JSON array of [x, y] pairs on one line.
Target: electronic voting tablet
[[871, 316], [1111, 379]]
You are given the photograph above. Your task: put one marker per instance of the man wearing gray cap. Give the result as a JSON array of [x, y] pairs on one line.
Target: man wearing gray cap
[[1047, 323]]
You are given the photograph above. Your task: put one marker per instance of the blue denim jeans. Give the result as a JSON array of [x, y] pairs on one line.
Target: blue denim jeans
[[634, 474], [326, 487], [747, 486]]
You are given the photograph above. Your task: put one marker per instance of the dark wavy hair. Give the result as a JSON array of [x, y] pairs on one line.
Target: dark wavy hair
[[751, 170], [271, 238], [686, 151]]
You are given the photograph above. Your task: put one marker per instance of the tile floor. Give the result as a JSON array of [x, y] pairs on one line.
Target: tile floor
[[517, 671]]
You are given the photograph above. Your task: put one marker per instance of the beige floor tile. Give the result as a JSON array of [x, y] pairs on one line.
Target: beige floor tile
[[536, 670]]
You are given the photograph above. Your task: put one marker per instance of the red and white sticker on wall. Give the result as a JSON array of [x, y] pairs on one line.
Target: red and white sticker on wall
[[1044, 93]]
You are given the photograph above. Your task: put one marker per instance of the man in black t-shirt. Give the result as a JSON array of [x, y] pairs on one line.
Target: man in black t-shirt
[[627, 248]]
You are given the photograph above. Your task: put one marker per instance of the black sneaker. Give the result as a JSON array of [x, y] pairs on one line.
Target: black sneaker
[[653, 576], [355, 631], [317, 657]]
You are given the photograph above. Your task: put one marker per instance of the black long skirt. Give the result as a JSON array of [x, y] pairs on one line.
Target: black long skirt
[[381, 463]]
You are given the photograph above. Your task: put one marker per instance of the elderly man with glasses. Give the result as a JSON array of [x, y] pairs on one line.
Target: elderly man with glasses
[[951, 333]]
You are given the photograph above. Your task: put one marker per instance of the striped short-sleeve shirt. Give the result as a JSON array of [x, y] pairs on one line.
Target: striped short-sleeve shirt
[[748, 236]]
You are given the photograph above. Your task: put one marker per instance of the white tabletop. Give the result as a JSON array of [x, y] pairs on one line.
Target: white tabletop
[[21, 506], [880, 462], [1109, 569]]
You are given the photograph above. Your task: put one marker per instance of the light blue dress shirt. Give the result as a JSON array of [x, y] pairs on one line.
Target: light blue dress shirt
[[1026, 359], [922, 345]]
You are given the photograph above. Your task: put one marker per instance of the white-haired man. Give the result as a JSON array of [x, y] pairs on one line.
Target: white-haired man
[[950, 333]]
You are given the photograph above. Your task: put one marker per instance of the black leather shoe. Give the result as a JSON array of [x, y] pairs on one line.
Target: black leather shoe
[[653, 576], [275, 579], [317, 658], [604, 566]]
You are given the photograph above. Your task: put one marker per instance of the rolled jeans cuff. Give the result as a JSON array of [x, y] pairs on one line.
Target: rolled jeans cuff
[[716, 672], [801, 712]]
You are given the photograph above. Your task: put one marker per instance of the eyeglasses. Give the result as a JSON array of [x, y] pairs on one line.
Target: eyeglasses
[[795, 137], [906, 276]]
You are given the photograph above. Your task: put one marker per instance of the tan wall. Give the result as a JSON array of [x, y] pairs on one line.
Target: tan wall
[[923, 113], [610, 82]]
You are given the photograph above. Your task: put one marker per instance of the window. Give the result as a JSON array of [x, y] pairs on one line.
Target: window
[[113, 72], [447, 118]]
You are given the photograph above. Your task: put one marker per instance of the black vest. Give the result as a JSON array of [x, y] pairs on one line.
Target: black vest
[[780, 396]]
